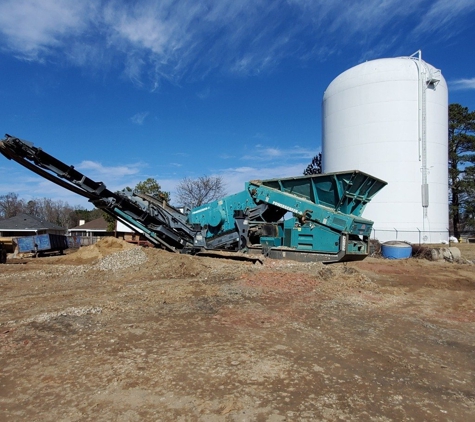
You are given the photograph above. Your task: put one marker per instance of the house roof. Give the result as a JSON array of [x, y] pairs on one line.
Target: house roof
[[97, 225], [27, 222]]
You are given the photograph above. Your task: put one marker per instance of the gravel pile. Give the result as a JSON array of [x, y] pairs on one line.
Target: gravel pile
[[122, 259]]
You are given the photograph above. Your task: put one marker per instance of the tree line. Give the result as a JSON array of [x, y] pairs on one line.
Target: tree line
[[45, 209], [190, 192]]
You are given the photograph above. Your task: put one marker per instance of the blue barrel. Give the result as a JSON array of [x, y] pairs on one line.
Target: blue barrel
[[395, 249]]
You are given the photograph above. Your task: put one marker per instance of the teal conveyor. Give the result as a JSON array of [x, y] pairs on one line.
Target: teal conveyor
[[307, 218]]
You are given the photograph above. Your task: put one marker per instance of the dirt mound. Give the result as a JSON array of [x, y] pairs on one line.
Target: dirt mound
[[88, 254], [163, 264], [109, 245]]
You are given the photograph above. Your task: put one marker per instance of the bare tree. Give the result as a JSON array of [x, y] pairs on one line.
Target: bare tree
[[10, 205], [195, 192]]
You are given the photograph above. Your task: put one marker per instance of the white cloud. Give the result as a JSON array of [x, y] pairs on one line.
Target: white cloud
[[441, 13], [262, 153], [226, 156], [32, 27], [204, 94], [139, 118], [462, 84], [31, 186], [235, 177], [172, 40], [96, 169]]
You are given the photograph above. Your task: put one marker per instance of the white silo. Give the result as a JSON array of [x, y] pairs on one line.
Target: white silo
[[389, 118]]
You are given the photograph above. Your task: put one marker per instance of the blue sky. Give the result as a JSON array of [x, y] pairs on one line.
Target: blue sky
[[126, 90]]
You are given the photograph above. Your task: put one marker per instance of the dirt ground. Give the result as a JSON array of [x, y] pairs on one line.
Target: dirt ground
[[119, 333]]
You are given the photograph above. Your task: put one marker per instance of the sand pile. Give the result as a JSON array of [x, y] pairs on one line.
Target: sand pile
[[89, 254]]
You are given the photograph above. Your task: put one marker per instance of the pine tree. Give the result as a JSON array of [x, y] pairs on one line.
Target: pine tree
[[315, 167], [461, 168]]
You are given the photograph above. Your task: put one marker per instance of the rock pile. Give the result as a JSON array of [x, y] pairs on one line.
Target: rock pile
[[123, 259]]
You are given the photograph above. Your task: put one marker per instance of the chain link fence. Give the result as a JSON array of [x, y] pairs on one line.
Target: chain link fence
[[412, 236], [78, 241]]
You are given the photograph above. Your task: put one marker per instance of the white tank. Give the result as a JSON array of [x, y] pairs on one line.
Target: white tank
[[389, 118]]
